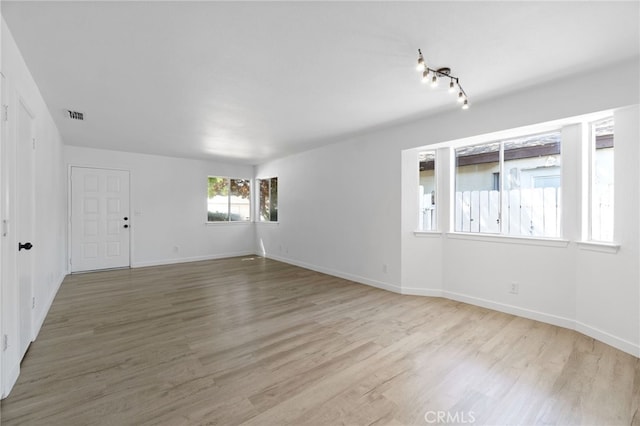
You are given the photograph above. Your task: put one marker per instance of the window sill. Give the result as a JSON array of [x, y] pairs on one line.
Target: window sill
[[427, 234], [598, 246], [270, 223], [508, 239], [236, 222]]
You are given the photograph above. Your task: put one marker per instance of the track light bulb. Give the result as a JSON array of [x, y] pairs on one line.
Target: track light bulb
[[425, 76], [465, 105], [434, 81], [421, 66], [460, 96], [452, 87]]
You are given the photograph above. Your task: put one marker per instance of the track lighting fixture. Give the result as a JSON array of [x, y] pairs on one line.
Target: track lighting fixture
[[443, 72]]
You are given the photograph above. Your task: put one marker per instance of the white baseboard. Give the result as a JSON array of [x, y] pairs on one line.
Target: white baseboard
[[343, 275], [571, 324], [10, 380], [190, 259], [12, 377], [430, 292], [609, 339], [513, 310], [47, 306]]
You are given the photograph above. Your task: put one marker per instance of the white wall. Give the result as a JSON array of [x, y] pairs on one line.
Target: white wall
[[49, 251], [169, 206], [365, 174], [568, 284], [338, 212], [608, 285], [564, 283]]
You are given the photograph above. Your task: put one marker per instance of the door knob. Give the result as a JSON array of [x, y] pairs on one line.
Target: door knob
[[126, 226], [126, 218], [26, 246]]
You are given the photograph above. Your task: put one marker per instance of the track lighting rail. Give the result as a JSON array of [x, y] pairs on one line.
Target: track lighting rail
[[434, 75]]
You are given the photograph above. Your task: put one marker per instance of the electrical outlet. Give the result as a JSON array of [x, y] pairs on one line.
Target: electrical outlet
[[5, 342], [514, 288], [176, 249], [384, 268]]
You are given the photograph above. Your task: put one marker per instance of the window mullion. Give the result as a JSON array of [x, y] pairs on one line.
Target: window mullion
[[591, 182], [269, 205], [229, 200], [501, 194]]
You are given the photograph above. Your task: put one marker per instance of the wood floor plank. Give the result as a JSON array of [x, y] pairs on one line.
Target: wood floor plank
[[260, 342]]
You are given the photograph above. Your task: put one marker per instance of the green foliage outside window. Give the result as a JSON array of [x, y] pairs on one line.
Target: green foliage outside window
[[268, 199]]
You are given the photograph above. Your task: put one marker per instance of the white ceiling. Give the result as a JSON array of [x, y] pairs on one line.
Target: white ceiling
[[250, 81]]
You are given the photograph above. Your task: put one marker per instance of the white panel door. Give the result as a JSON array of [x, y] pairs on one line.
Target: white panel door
[[100, 220], [24, 223]]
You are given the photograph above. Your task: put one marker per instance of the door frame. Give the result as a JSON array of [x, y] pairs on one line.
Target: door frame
[[21, 103], [10, 310], [3, 230], [70, 207]]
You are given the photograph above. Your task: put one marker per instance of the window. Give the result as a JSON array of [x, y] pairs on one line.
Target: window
[[546, 181], [268, 202], [477, 198], [496, 181], [510, 187], [427, 220], [228, 200], [602, 170]]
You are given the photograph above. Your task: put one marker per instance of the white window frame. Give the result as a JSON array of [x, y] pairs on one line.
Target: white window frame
[[501, 190], [591, 156], [436, 227], [256, 210], [250, 198]]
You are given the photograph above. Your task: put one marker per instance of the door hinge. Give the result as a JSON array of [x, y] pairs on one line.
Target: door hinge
[[5, 342], [5, 227], [33, 303], [5, 112], [34, 143]]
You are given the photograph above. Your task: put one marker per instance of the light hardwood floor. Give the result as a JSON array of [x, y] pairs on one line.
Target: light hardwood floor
[[264, 343]]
